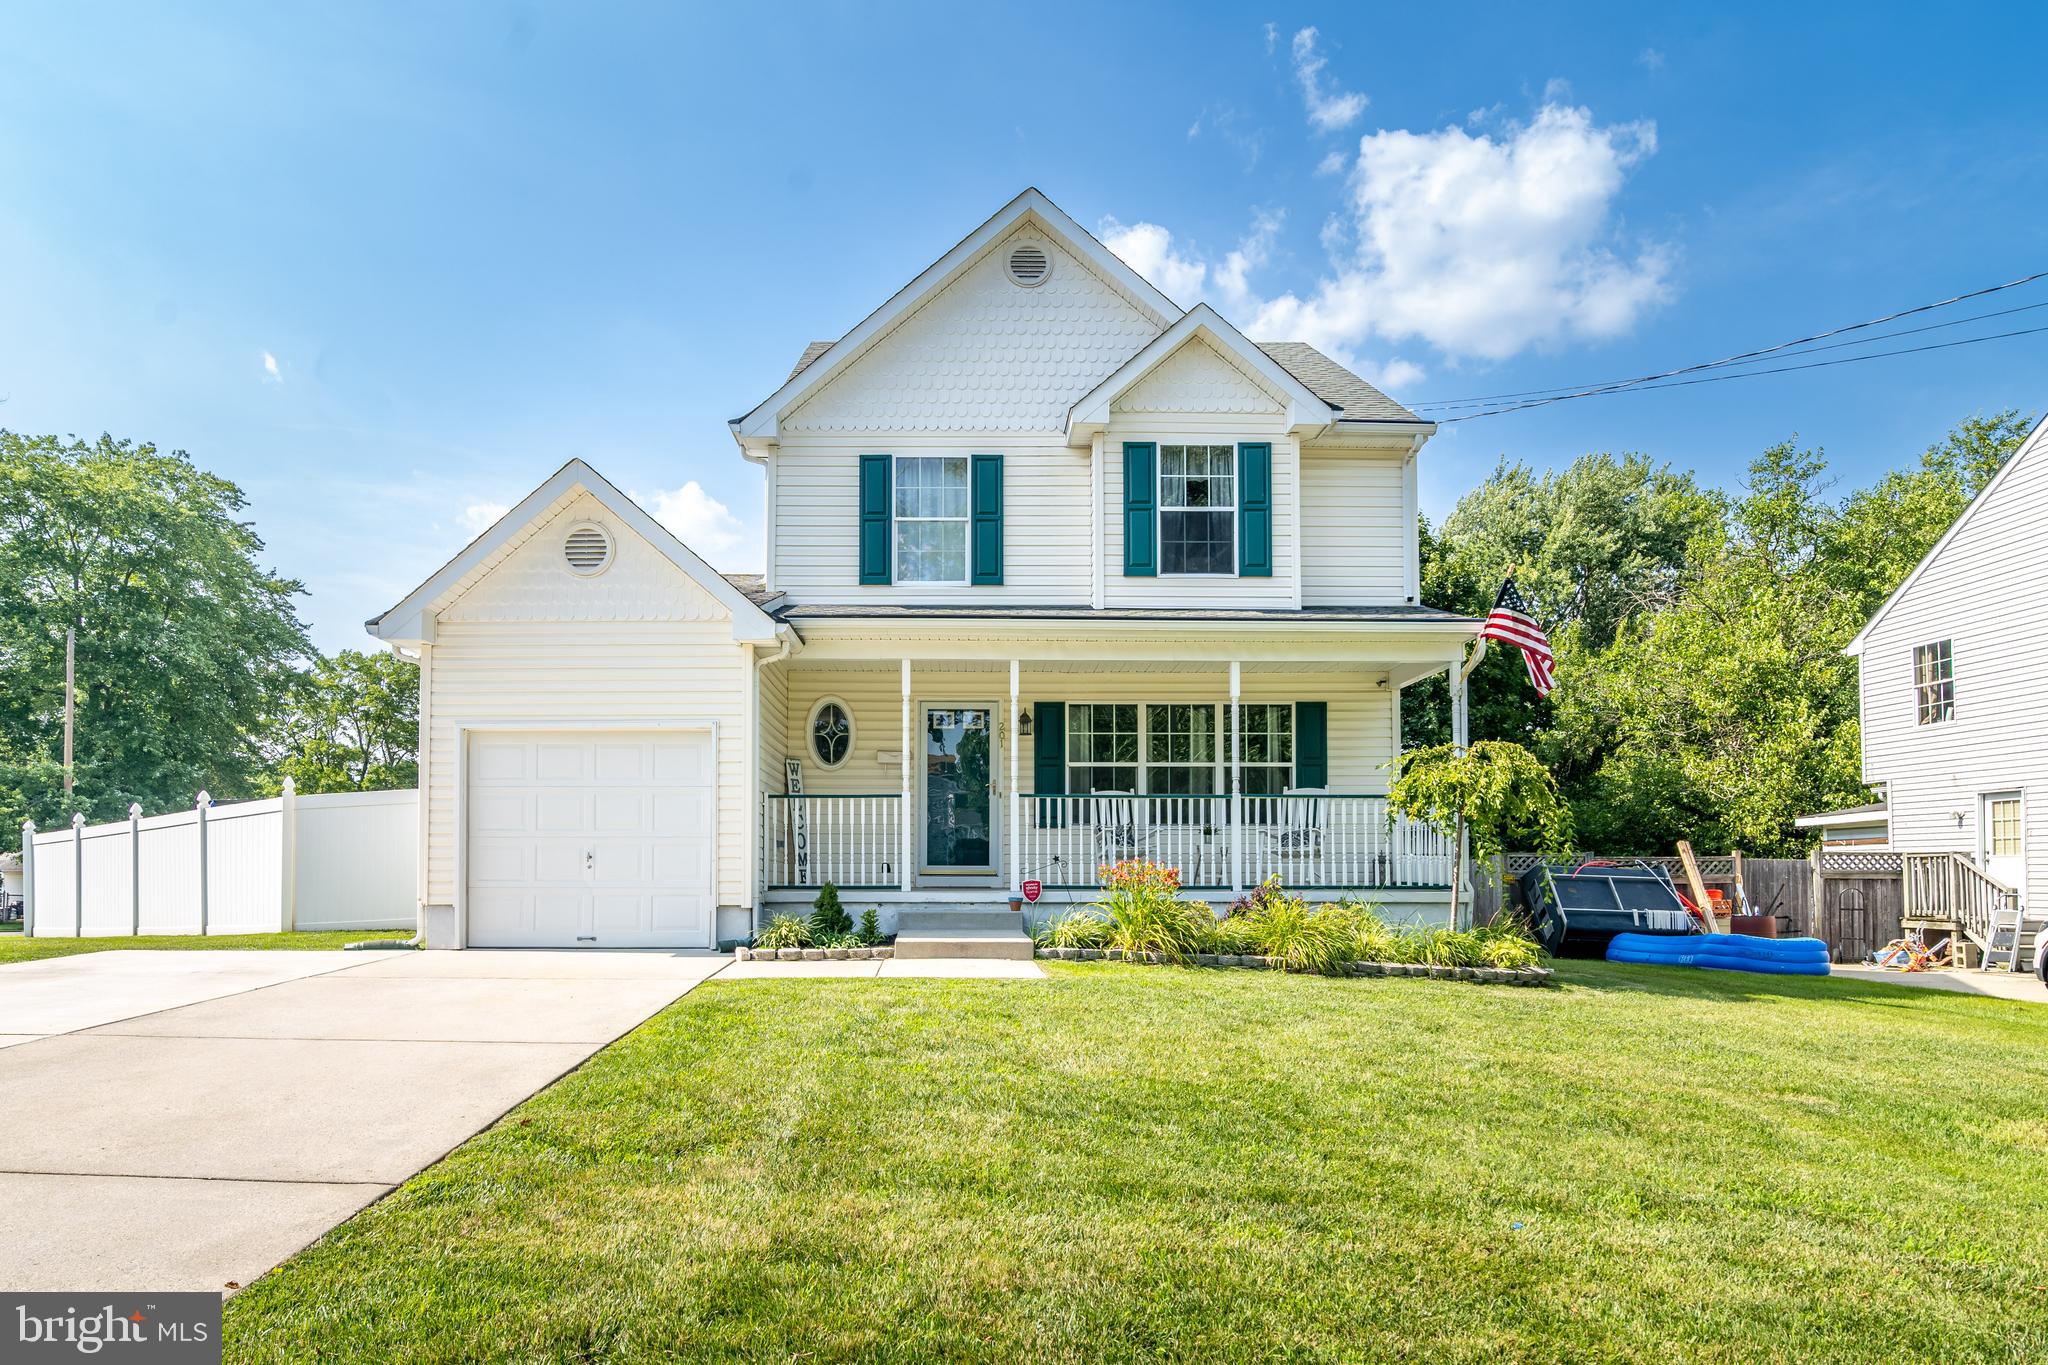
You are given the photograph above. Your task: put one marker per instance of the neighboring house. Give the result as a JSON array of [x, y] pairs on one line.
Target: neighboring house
[[1955, 720], [1867, 827], [1035, 535], [10, 885]]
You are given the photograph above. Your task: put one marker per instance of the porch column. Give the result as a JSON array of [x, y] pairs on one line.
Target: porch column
[[1016, 802], [1460, 721], [1461, 726], [907, 852], [1236, 783]]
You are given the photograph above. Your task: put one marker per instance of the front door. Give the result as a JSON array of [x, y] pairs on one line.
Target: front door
[[959, 835], [2002, 840]]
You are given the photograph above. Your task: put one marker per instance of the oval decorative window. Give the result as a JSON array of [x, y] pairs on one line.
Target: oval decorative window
[[831, 732]]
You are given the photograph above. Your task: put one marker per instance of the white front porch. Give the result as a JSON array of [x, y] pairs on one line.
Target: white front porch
[[1231, 771]]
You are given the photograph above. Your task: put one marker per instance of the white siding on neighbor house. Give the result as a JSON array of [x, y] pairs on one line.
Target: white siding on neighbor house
[[1046, 526], [1976, 593], [1355, 528], [984, 355], [532, 645], [1363, 734]]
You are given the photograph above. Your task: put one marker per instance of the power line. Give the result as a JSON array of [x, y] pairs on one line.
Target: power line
[[1781, 346], [1451, 404], [1746, 374]]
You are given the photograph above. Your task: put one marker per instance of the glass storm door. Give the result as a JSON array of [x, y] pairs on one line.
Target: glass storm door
[[957, 790]]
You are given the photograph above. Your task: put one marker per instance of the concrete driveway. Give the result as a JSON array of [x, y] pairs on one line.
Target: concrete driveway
[[188, 1119]]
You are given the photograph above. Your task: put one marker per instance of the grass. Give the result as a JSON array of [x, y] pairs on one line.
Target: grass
[[1140, 1163], [18, 949]]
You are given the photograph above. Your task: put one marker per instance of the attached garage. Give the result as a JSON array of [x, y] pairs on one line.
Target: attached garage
[[599, 840]]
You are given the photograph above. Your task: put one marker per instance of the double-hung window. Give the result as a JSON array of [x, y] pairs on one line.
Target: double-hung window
[[1197, 509], [1266, 758], [1934, 682], [1102, 747], [1180, 749], [931, 519]]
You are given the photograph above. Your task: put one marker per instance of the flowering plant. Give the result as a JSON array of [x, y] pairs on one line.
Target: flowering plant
[[1138, 875]]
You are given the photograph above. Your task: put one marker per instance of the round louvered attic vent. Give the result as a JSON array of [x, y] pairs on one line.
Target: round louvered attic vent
[[1029, 265], [588, 549]]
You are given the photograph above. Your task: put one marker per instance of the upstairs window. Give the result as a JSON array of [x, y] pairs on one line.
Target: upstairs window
[[931, 519], [1934, 682], [1197, 509]]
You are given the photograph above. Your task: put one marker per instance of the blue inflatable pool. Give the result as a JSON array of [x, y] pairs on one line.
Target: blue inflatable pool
[[1724, 952]]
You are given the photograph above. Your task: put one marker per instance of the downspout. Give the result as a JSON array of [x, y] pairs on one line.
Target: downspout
[[790, 639]]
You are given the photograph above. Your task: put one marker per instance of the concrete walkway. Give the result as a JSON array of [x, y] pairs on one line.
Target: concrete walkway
[[188, 1119], [2001, 985]]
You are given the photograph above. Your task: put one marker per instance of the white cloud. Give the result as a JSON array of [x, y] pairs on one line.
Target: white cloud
[[271, 373], [1329, 109], [704, 524], [1272, 38], [1332, 164], [1650, 59], [479, 517], [1481, 245]]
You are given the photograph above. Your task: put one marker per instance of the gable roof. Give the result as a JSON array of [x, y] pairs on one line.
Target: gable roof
[[811, 353], [1336, 385], [812, 371], [2034, 439], [1304, 406], [408, 621]]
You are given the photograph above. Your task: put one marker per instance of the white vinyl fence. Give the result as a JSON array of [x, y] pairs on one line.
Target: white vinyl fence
[[342, 860]]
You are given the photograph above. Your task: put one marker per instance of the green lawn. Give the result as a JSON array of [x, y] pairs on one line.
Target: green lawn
[[19, 949], [1133, 1163]]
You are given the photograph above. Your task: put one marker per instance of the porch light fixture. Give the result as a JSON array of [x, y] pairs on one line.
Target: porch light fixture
[[1024, 724]]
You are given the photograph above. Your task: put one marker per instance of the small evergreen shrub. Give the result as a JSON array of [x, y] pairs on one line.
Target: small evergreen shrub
[[828, 917], [870, 931]]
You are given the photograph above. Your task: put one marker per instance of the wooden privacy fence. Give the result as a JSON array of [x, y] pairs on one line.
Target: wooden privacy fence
[[1851, 899], [341, 860]]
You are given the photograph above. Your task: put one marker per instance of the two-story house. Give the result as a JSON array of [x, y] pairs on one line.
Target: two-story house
[[1058, 573], [1954, 718]]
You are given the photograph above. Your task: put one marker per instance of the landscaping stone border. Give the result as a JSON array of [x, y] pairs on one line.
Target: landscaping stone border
[[1505, 976], [745, 954]]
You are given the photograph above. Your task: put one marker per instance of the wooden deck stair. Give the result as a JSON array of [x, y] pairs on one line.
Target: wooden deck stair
[[1948, 891]]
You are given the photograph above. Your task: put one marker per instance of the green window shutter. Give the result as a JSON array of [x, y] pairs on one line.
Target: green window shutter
[[875, 520], [1311, 744], [1141, 505], [988, 520], [1255, 510], [1049, 759]]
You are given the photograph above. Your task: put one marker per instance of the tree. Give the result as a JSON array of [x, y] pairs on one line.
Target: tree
[[1592, 545], [184, 641], [350, 724], [1494, 790]]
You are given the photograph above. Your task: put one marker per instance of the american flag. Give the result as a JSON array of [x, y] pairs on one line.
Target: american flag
[[1510, 623]]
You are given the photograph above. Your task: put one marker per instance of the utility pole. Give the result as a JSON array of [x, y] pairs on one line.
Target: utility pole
[[70, 693]]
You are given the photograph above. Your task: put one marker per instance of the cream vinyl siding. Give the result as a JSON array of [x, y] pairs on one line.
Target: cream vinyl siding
[[1355, 529], [1363, 735], [1975, 591], [1046, 524], [527, 643]]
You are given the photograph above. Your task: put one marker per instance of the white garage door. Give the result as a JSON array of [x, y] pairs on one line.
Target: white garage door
[[599, 840]]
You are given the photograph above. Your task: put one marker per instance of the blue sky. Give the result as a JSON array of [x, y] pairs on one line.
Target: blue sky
[[388, 267]]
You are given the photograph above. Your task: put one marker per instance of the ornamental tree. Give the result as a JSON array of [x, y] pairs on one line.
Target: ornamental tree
[[1495, 791]]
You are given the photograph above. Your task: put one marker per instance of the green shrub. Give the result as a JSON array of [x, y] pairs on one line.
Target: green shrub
[[1232, 934], [784, 931], [839, 941], [870, 931], [1142, 903], [1304, 940], [1509, 950], [828, 917], [1074, 929]]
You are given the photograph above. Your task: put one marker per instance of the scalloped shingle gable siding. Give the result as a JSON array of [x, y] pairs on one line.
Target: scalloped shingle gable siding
[[1197, 378], [985, 355]]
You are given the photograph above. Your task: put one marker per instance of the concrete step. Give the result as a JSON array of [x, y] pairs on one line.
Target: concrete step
[[957, 917], [976, 943]]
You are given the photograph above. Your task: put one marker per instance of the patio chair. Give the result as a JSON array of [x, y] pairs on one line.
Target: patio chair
[[1116, 826], [1299, 831]]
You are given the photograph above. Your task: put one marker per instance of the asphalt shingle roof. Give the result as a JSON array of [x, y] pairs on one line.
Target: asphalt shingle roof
[[1334, 384]]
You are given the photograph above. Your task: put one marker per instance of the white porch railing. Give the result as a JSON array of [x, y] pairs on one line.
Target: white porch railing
[[854, 842], [1310, 842]]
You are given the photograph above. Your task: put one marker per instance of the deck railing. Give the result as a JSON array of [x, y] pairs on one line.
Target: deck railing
[[1310, 842], [1948, 886], [855, 842]]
